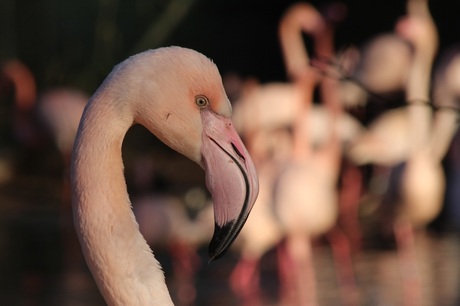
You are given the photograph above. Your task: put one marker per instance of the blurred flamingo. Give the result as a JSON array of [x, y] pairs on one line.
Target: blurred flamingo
[[377, 72], [259, 117], [304, 213], [264, 100], [51, 115], [446, 95], [306, 205], [255, 243], [415, 190], [333, 118], [55, 111]]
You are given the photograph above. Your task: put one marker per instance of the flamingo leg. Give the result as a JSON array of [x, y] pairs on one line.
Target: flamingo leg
[[185, 265], [245, 281], [349, 196], [344, 266], [285, 267], [405, 240], [302, 276]]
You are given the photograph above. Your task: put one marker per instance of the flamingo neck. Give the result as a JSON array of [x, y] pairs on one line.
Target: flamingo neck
[[445, 125], [301, 137], [293, 48], [24, 85], [418, 90], [118, 256]]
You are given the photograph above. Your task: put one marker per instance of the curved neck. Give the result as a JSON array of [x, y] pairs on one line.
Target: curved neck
[[295, 54], [445, 125], [301, 148], [119, 258], [24, 84], [301, 17], [418, 88]]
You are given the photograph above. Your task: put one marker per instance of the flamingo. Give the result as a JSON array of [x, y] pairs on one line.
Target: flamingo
[[56, 112], [383, 70], [304, 17], [416, 186], [264, 100], [387, 139], [270, 152], [306, 205], [259, 118], [260, 121], [326, 124], [38, 118], [17, 80], [422, 181], [381, 67], [177, 94], [416, 118], [264, 124], [291, 203], [446, 90], [444, 139]]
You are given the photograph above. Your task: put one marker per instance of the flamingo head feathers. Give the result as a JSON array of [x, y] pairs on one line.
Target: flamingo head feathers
[[192, 114]]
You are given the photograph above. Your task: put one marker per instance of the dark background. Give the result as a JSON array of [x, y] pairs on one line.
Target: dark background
[[77, 42]]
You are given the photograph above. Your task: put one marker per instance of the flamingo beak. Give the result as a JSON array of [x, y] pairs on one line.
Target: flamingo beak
[[231, 179]]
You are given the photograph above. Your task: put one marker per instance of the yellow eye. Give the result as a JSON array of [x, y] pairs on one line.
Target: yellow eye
[[201, 101]]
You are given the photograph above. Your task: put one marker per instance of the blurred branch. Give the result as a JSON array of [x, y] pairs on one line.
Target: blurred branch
[[162, 27]]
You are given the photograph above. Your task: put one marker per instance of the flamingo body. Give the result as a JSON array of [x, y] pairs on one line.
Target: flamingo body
[[307, 201], [423, 187], [385, 141], [60, 111], [259, 110]]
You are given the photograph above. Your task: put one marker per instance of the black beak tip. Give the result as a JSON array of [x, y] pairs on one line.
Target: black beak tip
[[221, 240], [214, 255]]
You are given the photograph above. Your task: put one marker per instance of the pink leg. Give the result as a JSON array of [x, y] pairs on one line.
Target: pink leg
[[407, 256], [245, 281], [285, 268], [185, 264], [302, 274], [344, 266], [349, 197]]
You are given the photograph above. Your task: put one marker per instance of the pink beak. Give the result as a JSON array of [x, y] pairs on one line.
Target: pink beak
[[231, 179]]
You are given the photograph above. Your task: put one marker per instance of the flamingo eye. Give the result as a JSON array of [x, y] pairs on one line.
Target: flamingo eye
[[201, 101]]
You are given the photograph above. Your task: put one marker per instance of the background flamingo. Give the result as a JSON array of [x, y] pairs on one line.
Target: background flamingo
[[415, 185], [40, 119], [326, 118], [445, 136], [259, 117], [306, 205]]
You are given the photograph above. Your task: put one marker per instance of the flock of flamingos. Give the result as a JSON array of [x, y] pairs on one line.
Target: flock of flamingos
[[294, 178]]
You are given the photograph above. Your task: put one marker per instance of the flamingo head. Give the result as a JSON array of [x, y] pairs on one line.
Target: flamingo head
[[194, 119]]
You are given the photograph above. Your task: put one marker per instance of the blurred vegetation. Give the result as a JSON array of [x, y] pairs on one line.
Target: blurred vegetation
[[76, 42]]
